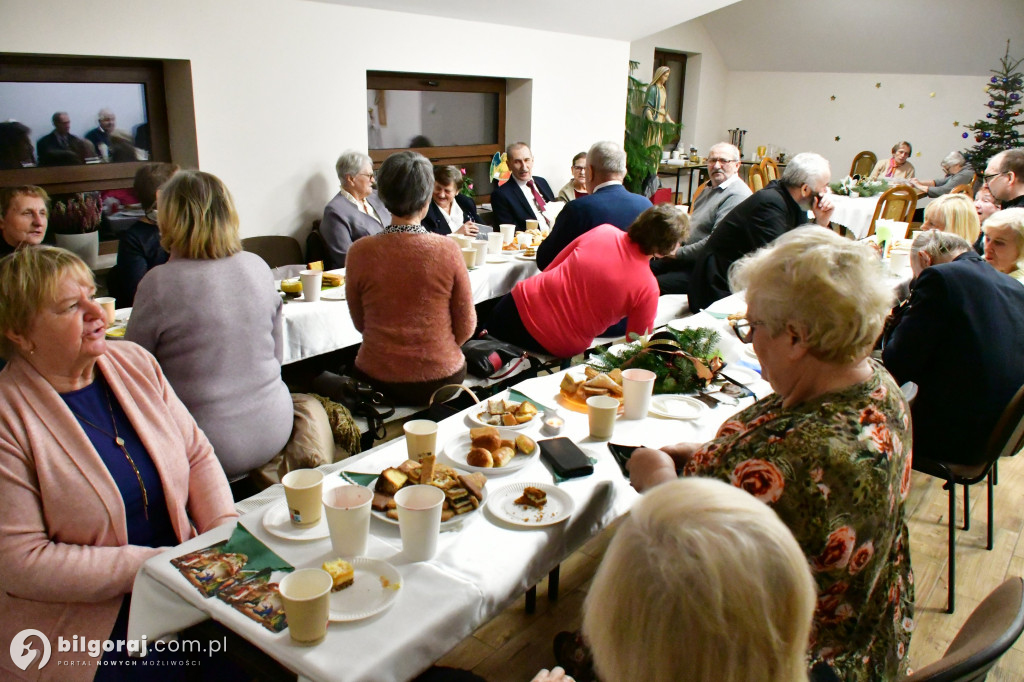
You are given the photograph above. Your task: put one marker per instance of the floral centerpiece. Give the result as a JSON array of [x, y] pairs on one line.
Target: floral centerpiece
[[683, 361], [858, 187], [76, 213]]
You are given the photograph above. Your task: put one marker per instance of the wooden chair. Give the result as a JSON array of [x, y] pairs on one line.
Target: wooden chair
[[989, 632], [755, 178], [769, 169], [1006, 440], [896, 203], [965, 188], [277, 250], [863, 164], [693, 199]]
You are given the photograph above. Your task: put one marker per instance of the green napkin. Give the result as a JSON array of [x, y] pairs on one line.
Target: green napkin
[[516, 396], [717, 316], [360, 479], [260, 556]]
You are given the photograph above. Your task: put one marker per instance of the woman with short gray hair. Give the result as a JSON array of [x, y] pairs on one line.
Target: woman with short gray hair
[[956, 172], [408, 293], [354, 212]]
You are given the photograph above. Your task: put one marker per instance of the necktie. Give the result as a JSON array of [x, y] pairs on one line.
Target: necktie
[[537, 198]]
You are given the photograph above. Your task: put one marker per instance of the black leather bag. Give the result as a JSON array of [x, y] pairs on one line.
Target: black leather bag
[[363, 400], [486, 356]]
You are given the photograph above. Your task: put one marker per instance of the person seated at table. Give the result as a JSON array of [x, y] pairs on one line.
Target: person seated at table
[[138, 249], [957, 172], [897, 167], [450, 212], [829, 450], [577, 187], [1004, 242], [985, 204], [355, 211], [408, 292], [211, 315], [604, 275], [708, 584], [953, 213], [16, 150], [102, 465], [24, 213]]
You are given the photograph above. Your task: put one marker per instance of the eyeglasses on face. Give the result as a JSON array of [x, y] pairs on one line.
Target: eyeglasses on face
[[992, 176], [579, 168], [716, 160], [365, 175], [744, 330]]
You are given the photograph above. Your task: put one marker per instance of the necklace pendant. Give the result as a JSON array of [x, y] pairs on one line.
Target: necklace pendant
[[119, 441]]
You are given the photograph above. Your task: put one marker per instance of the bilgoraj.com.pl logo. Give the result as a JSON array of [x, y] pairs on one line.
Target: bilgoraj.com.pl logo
[[23, 654]]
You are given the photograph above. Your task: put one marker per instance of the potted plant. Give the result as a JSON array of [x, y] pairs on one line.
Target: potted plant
[[643, 154], [75, 221]]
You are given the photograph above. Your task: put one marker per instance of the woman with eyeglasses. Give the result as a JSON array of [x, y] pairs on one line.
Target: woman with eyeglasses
[[577, 187], [355, 211], [897, 167], [829, 451]]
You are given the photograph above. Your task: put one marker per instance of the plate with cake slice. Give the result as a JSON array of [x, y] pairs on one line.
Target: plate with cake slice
[[531, 505], [464, 492], [363, 587]]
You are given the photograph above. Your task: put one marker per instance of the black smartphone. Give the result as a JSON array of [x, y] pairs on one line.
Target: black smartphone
[[622, 453], [565, 457]]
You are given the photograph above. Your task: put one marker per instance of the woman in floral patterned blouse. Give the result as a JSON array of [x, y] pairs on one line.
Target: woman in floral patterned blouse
[[829, 451]]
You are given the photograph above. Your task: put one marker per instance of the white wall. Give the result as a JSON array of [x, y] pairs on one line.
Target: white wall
[[280, 85]]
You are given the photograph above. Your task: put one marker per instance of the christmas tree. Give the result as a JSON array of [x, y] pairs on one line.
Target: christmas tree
[[998, 130]]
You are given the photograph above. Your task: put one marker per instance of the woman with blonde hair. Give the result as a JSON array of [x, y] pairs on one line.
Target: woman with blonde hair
[[1004, 242], [701, 582], [953, 213]]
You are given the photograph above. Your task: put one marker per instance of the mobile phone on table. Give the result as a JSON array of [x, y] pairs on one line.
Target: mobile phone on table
[[565, 457], [622, 453]]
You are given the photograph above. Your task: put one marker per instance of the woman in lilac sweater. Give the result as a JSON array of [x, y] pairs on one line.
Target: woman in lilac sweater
[[408, 292]]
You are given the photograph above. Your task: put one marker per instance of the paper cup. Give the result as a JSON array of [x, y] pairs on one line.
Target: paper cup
[[637, 388], [533, 225], [481, 252], [469, 257], [420, 438], [107, 303], [311, 282], [306, 595], [523, 240], [347, 509], [303, 490], [494, 242], [419, 520], [601, 411], [508, 232], [899, 261]]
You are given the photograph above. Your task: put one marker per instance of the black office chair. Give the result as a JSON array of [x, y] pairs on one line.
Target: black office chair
[[989, 632], [1006, 440], [277, 250]]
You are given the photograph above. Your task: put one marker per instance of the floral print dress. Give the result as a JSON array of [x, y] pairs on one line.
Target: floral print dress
[[836, 469]]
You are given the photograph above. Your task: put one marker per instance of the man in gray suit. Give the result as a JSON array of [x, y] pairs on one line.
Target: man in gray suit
[[724, 191]]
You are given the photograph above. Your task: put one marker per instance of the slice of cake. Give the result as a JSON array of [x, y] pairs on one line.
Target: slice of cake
[[341, 572], [533, 497]]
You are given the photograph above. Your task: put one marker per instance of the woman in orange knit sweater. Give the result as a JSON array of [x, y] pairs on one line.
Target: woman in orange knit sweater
[[408, 292]]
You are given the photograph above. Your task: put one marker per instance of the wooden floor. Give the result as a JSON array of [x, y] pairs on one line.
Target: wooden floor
[[514, 645]]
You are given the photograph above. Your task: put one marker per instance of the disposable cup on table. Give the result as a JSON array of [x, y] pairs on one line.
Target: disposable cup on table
[[306, 595], [495, 240], [899, 261], [637, 389], [523, 240], [347, 509], [469, 257], [419, 520], [508, 232], [303, 491], [107, 303], [464, 241], [481, 251], [420, 438], [601, 411], [312, 280], [533, 225]]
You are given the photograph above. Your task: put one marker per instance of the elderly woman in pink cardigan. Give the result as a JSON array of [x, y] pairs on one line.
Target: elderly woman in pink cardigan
[[101, 466]]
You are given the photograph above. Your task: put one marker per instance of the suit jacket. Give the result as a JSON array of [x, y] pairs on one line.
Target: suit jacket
[[510, 205], [757, 221], [960, 341], [343, 223], [64, 553], [435, 221], [613, 205], [48, 146], [98, 136]]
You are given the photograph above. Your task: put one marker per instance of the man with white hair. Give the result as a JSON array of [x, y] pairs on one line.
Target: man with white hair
[[725, 190], [1004, 177], [778, 208], [608, 202], [957, 172], [100, 135]]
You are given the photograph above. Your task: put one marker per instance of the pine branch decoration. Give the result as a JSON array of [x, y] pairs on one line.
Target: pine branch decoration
[[674, 372]]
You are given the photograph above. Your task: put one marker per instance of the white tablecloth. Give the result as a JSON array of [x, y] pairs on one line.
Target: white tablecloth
[[854, 213]]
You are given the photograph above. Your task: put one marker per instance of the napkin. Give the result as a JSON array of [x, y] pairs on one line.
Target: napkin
[[260, 556], [226, 563], [358, 479], [516, 396]]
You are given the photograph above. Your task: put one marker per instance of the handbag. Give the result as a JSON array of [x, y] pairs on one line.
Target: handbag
[[486, 356], [365, 401]]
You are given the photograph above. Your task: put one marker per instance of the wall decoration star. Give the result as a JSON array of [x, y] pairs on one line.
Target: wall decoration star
[[901, 105], [931, 94], [833, 98], [917, 154], [878, 85], [837, 138], [956, 124]]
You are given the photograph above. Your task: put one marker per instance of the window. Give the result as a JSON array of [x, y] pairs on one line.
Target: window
[[449, 119]]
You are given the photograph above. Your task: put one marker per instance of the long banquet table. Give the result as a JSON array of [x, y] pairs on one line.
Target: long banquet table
[[479, 569]]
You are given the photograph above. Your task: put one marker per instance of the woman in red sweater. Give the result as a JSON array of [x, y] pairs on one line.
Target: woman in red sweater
[[600, 278], [409, 293]]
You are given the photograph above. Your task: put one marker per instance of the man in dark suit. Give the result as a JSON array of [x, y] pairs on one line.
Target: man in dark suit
[[60, 147], [959, 339], [757, 221], [523, 196], [608, 202]]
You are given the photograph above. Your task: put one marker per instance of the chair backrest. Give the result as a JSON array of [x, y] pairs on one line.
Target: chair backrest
[[700, 188], [896, 203], [863, 164], [965, 188], [277, 250], [1008, 436], [769, 169], [662, 196], [316, 247], [755, 178], [990, 630]]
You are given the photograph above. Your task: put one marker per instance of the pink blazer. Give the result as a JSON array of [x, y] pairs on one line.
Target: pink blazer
[[65, 561]]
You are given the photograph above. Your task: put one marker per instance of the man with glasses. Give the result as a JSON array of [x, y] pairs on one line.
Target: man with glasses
[[577, 187], [1004, 177], [724, 191]]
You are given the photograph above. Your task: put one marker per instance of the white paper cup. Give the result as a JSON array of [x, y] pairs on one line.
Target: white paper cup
[[494, 242], [107, 303], [347, 509], [311, 282], [533, 225], [419, 520], [523, 240], [464, 241], [481, 251], [303, 491], [420, 438], [637, 389], [508, 232], [306, 595], [469, 257], [899, 261], [601, 411]]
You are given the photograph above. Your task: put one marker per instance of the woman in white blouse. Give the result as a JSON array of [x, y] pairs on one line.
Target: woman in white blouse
[[450, 212]]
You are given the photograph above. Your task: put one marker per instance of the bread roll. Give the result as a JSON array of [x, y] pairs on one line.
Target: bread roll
[[480, 457], [502, 456], [525, 444]]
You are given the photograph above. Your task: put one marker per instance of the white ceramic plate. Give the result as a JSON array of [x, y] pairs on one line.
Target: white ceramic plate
[[558, 508], [366, 596], [676, 406], [277, 523], [481, 409], [523, 256], [497, 258], [454, 523], [457, 448], [335, 294], [742, 374]]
